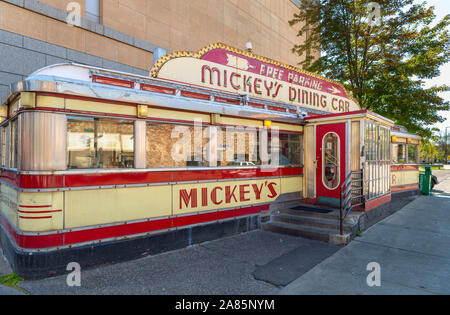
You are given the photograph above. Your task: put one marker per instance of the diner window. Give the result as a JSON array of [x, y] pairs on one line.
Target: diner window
[[177, 145], [371, 141], [377, 165], [100, 143], [398, 153], [384, 151], [330, 158], [412, 154], [240, 147], [290, 149]]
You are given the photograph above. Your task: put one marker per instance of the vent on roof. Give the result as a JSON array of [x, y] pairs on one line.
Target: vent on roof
[[112, 81]]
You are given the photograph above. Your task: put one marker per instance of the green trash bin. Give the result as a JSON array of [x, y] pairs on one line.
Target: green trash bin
[[425, 181]]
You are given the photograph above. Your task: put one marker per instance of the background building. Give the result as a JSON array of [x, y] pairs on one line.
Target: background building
[[127, 35]]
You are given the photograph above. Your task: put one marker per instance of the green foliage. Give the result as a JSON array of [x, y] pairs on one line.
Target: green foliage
[[427, 150], [384, 66], [11, 281]]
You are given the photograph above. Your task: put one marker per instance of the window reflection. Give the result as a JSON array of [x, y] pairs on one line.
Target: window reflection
[[330, 159]]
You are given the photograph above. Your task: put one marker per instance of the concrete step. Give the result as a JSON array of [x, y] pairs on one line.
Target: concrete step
[[311, 232], [306, 220]]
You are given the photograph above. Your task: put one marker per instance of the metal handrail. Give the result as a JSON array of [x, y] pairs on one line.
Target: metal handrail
[[346, 197]]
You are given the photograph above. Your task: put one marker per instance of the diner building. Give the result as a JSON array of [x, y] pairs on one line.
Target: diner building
[[100, 164]]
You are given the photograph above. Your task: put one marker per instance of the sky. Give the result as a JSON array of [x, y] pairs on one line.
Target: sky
[[442, 8]]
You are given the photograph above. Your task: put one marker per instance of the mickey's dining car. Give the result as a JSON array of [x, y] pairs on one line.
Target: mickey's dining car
[[99, 165]]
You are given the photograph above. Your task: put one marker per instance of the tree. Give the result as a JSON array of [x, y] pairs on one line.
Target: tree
[[382, 62], [427, 150]]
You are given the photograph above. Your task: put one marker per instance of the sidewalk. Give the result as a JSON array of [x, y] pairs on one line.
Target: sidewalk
[[411, 247]]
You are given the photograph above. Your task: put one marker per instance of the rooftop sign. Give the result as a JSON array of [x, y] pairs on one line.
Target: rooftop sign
[[224, 68]]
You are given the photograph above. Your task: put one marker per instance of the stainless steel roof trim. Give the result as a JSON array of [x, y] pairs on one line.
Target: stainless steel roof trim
[[70, 78], [114, 93]]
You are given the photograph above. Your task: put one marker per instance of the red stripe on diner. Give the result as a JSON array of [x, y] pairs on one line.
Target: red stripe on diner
[[40, 212], [157, 89], [214, 216], [35, 218], [81, 180], [291, 171], [405, 167], [109, 179], [31, 241], [182, 176], [75, 237], [369, 205], [404, 187], [40, 181], [9, 177], [337, 114]]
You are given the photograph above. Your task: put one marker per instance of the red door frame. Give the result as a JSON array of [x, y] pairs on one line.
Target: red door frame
[[321, 131]]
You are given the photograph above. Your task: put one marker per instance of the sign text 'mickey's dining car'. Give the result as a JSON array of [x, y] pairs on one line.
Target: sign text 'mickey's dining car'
[[98, 165]]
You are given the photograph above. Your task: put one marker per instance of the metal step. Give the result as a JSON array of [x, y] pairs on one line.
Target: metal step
[[311, 232], [321, 222]]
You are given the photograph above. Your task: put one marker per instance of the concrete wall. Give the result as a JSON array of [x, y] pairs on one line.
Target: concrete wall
[[22, 55]]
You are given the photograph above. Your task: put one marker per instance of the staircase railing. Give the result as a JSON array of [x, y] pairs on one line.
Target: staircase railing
[[347, 196]]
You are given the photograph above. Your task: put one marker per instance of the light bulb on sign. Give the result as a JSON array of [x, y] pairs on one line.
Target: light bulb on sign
[[249, 46]]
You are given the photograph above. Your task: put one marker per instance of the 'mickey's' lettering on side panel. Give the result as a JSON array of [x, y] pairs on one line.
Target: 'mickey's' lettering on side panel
[[209, 196]]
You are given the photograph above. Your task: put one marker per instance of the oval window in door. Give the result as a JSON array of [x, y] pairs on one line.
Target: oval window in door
[[330, 158]]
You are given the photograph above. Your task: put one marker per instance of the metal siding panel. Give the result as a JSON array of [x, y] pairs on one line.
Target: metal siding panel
[[310, 168], [355, 146], [43, 141], [140, 143]]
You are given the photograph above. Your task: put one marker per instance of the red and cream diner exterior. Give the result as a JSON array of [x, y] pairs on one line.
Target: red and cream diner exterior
[[99, 165]]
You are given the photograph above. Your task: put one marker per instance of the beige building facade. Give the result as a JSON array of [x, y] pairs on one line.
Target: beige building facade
[[127, 35]]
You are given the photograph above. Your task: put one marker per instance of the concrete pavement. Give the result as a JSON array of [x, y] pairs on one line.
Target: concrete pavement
[[220, 267], [411, 248]]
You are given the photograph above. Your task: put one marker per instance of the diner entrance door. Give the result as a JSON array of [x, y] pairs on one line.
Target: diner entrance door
[[330, 162]]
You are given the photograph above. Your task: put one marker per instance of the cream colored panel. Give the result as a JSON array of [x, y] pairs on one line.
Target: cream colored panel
[[41, 211], [51, 102], [291, 184], [404, 178], [8, 202], [102, 206], [97, 107]]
